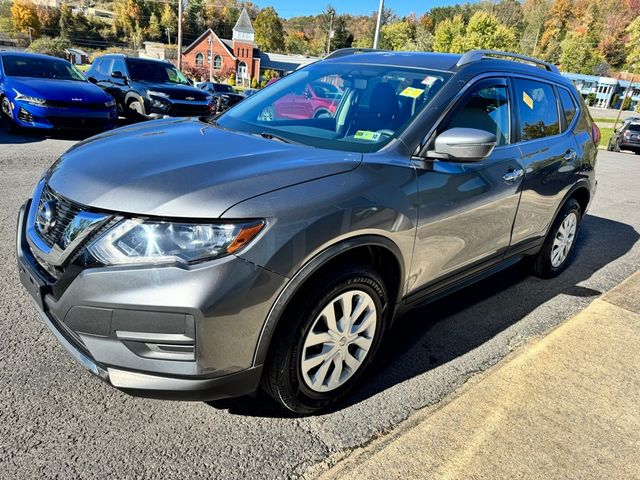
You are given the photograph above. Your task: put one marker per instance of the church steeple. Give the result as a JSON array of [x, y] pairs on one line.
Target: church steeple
[[243, 31]]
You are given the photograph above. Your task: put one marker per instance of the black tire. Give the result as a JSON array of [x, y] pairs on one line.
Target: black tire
[[135, 110], [7, 122], [283, 379], [542, 265]]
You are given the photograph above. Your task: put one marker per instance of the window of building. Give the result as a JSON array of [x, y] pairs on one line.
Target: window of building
[[199, 59], [217, 62], [537, 109]]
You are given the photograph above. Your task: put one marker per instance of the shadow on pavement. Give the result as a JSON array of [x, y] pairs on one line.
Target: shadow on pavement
[[431, 336]]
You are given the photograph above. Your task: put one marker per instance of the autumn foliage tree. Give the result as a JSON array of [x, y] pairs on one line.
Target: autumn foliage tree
[[25, 16]]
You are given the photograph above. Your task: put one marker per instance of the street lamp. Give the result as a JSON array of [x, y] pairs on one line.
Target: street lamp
[[378, 22]]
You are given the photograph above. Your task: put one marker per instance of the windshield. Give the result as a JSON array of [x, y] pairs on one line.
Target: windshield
[[634, 127], [156, 72], [38, 67], [337, 105], [222, 88]]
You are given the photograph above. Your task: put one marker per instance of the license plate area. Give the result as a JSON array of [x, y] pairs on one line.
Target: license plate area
[[36, 287]]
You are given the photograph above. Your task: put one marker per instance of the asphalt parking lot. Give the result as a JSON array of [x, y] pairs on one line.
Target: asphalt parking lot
[[56, 420]]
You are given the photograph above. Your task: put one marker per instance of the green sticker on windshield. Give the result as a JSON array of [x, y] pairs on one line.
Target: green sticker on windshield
[[367, 135]]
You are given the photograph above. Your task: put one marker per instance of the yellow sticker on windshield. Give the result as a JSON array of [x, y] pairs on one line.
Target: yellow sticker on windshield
[[367, 135], [527, 99], [412, 92]]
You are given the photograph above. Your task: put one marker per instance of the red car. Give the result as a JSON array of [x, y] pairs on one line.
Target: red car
[[313, 101]]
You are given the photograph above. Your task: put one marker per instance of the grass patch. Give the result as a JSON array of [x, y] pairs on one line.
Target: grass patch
[[605, 135]]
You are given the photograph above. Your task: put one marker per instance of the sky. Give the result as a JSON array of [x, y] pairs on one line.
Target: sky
[[293, 8]]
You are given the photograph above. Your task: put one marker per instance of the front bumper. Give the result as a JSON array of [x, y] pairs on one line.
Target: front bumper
[[160, 108], [116, 322], [48, 118]]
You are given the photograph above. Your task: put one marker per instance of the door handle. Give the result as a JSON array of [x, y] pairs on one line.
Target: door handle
[[513, 175], [571, 156]]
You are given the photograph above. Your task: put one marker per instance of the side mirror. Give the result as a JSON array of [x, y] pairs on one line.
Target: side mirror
[[117, 74], [463, 144]]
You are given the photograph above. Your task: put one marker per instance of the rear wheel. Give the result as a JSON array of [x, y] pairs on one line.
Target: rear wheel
[[7, 116], [558, 247], [332, 332]]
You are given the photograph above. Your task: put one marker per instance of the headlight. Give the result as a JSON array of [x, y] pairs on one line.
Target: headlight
[[157, 94], [110, 104], [145, 241], [32, 100]]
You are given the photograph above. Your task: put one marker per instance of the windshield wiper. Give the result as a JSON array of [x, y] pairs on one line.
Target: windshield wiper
[[271, 136]]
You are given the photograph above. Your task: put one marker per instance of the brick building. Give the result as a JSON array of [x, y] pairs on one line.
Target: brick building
[[220, 57]]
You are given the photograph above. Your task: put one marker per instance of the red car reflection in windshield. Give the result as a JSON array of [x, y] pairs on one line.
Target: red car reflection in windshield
[[313, 101]]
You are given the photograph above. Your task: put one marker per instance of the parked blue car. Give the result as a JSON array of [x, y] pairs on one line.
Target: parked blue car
[[39, 91]]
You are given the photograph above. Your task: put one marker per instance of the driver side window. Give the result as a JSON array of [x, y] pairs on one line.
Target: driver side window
[[486, 108]]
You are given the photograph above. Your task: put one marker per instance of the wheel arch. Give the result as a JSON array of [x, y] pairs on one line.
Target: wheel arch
[[375, 250]]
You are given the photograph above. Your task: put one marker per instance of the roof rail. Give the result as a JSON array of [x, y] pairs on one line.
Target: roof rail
[[343, 52], [477, 55]]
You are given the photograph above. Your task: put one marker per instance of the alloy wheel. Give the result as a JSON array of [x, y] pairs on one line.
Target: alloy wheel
[[339, 340], [563, 241]]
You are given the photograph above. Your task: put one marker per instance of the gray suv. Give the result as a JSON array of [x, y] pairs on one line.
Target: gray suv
[[201, 259]]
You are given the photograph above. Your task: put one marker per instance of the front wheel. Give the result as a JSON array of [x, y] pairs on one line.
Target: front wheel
[[558, 247], [7, 116], [328, 340]]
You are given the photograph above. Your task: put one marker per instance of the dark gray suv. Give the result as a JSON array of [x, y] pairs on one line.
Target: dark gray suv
[[196, 259]]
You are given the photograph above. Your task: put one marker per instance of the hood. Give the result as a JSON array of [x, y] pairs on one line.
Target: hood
[[59, 90], [185, 168], [175, 92]]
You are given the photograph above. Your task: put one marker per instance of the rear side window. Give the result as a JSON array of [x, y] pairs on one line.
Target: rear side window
[[634, 127], [537, 109], [568, 106], [486, 108]]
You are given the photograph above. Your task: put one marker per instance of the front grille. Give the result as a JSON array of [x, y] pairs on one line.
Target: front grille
[[77, 122], [188, 96], [66, 210], [182, 110], [76, 105]]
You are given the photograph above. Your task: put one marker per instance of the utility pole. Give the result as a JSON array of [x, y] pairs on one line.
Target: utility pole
[[330, 35], [626, 92], [30, 40], [378, 22], [168, 36], [179, 34]]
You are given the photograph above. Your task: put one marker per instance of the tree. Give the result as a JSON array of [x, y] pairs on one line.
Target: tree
[[169, 20], [485, 32], [398, 36], [269, 30], [296, 42], [128, 17], [555, 29], [450, 35], [578, 55], [66, 21], [25, 16], [633, 46], [154, 32], [50, 46], [342, 37], [534, 14]]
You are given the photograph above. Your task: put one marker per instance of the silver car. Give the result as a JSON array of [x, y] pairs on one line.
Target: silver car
[[203, 258]]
